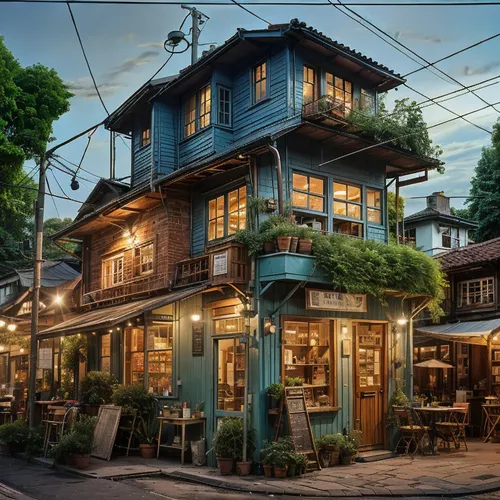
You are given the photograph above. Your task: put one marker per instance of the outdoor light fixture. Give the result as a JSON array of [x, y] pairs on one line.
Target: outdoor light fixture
[[75, 185], [21, 350], [174, 38], [402, 321], [343, 329], [110, 331], [2, 347], [129, 324], [195, 318], [2, 323], [127, 234], [495, 337], [58, 299], [11, 327]]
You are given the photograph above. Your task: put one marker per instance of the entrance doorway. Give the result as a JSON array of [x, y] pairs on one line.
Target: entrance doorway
[[370, 382]]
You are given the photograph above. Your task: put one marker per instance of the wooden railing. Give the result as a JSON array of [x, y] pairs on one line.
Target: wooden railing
[[227, 263], [137, 286], [326, 106]]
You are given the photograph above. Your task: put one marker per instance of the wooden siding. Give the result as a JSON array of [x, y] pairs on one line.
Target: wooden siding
[[165, 138], [141, 159], [196, 147]]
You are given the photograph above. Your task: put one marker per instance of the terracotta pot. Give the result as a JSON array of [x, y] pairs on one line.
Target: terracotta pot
[[333, 455], [243, 468], [196, 414], [292, 470], [293, 244], [347, 459], [268, 470], [225, 465], [283, 243], [280, 472], [305, 246], [269, 247], [147, 450], [81, 461]]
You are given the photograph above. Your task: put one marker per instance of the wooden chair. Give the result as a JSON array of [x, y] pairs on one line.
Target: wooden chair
[[449, 431], [410, 431], [463, 419]]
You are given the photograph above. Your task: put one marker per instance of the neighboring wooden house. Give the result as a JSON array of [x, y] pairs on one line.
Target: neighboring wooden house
[[165, 287]]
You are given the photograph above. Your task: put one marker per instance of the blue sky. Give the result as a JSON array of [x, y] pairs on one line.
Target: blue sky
[[124, 44]]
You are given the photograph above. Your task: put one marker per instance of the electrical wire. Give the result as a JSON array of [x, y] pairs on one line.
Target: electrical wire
[[66, 170], [30, 174], [45, 193], [75, 165], [85, 150], [52, 196], [85, 57], [250, 12]]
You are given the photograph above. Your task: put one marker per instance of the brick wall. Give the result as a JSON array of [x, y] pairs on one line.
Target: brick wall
[[168, 230]]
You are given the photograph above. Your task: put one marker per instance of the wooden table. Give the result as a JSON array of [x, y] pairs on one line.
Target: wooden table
[[41, 409], [432, 414], [182, 423], [492, 419]]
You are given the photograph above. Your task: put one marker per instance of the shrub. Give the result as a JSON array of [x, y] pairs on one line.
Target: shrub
[[80, 440], [135, 397], [275, 391], [228, 439], [294, 381], [276, 452], [97, 388], [15, 435], [34, 444], [333, 440]]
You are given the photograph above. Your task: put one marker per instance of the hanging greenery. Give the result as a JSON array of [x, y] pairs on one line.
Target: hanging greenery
[[74, 351], [14, 338]]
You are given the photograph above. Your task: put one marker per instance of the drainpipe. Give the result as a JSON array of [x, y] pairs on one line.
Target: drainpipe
[[277, 158]]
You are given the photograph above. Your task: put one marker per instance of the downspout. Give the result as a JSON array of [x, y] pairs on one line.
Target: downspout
[[490, 363], [277, 158]]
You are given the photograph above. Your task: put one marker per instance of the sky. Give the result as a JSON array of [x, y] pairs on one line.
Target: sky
[[124, 44]]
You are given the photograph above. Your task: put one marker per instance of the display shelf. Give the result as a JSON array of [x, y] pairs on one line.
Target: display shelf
[[307, 364], [323, 409]]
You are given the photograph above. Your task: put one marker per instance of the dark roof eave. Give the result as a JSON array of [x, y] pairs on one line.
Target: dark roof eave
[[442, 217]]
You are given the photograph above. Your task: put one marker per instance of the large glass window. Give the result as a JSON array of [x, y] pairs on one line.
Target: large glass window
[[309, 85], [230, 206], [4, 374], [374, 206], [205, 106], [476, 292], [190, 116], [105, 353], [134, 356], [143, 259], [308, 192], [450, 236], [224, 106], [112, 271], [231, 375], [340, 90], [160, 349], [367, 102], [259, 80], [307, 354]]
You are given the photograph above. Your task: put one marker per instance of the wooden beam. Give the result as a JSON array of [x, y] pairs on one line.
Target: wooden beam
[[415, 180]]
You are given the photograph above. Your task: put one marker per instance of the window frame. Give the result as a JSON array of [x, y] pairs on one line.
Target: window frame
[[136, 267], [308, 193], [254, 81], [192, 123], [165, 350], [482, 293], [452, 239], [230, 105], [379, 209], [113, 258], [206, 104], [226, 214], [333, 87], [314, 83], [101, 355], [364, 93], [127, 364]]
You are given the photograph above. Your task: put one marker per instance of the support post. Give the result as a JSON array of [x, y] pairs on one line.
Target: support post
[[39, 209], [112, 154], [195, 17], [490, 365], [397, 211]]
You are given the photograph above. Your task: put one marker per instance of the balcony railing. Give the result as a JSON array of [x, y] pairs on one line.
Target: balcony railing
[[145, 285], [325, 107], [227, 263]]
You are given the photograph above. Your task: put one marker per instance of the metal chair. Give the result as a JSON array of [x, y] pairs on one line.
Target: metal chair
[[410, 431], [59, 420], [463, 418], [448, 431]]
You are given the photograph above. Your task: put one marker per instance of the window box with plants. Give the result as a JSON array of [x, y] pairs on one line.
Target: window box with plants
[[275, 395]]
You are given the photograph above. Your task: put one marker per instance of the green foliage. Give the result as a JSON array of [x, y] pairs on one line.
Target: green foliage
[[97, 388], [34, 444], [276, 452], [135, 397], [294, 381], [15, 435], [484, 205], [148, 428], [31, 99], [330, 440], [398, 398], [350, 444], [405, 125], [464, 213], [14, 338], [50, 227], [393, 217], [275, 391], [79, 440], [228, 439], [74, 350]]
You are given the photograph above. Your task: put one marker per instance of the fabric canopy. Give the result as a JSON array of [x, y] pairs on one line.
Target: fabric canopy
[[434, 363], [110, 316], [470, 332]]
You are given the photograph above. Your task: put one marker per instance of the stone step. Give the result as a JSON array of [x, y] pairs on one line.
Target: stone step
[[374, 455]]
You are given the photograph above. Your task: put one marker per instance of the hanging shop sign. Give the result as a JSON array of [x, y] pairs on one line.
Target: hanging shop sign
[[162, 317], [335, 301], [198, 347], [220, 264], [45, 358]]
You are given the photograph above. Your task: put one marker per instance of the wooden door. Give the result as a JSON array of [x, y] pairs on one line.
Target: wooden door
[[370, 382]]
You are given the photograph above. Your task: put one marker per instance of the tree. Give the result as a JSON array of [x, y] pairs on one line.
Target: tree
[[484, 204], [394, 218], [464, 213], [31, 99], [50, 227]]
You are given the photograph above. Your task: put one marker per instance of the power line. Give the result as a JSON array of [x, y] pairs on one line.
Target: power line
[[66, 170], [57, 182], [85, 56], [417, 55], [75, 165], [30, 174], [45, 193], [250, 12], [223, 3], [453, 54], [405, 135], [52, 196]]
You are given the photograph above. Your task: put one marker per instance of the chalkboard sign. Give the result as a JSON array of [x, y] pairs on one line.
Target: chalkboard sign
[[300, 425], [198, 348], [105, 431]]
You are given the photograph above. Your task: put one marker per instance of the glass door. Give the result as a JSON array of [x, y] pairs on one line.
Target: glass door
[[231, 371]]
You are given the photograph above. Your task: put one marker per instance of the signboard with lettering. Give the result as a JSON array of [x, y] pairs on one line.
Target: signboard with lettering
[[45, 358], [198, 348], [162, 317], [219, 264], [327, 300]]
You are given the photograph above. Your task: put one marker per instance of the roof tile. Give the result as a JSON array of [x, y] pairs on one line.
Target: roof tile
[[469, 255]]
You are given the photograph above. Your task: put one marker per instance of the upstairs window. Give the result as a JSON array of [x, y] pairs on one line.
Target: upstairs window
[[112, 271], [145, 136], [309, 85], [374, 206], [224, 106], [410, 236], [450, 237], [340, 90], [367, 101], [347, 207], [143, 259], [308, 192], [476, 292], [227, 214], [197, 111], [259, 80]]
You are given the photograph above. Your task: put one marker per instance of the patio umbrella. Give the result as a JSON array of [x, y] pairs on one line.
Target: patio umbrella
[[434, 363]]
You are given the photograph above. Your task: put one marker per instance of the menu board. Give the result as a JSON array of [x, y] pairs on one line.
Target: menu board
[[198, 347], [105, 431], [300, 426]]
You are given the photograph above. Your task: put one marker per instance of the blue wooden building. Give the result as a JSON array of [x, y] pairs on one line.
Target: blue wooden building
[[166, 287]]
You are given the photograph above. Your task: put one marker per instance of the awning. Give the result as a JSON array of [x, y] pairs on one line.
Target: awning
[[109, 316], [434, 363], [470, 332], [54, 273]]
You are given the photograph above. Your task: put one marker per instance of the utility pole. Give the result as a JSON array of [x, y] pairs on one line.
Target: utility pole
[[112, 154], [195, 30], [37, 272]]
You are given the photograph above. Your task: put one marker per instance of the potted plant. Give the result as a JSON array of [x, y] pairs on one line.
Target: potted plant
[[294, 381], [305, 246], [147, 433], [13, 437], [300, 464], [280, 460], [267, 458], [329, 449], [349, 447], [225, 442], [243, 468], [199, 410], [275, 394], [135, 397], [96, 389]]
